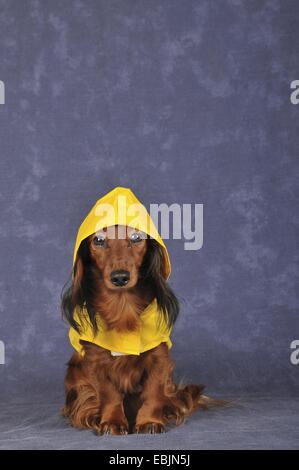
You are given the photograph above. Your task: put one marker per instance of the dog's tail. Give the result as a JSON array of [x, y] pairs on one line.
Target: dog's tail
[[188, 399], [196, 399], [206, 402]]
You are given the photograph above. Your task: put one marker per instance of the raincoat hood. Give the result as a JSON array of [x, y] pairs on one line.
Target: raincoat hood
[[121, 207]]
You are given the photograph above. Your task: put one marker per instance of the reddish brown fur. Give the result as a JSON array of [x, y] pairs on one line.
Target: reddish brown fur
[[118, 394]]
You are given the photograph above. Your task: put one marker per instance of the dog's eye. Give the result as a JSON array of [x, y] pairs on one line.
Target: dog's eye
[[135, 237], [99, 241]]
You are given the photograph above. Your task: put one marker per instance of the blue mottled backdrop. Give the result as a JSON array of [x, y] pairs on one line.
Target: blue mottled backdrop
[[184, 102]]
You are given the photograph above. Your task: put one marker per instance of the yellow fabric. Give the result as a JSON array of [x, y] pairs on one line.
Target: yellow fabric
[[150, 334], [127, 210]]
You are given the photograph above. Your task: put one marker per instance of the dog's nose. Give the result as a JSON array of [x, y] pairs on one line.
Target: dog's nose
[[120, 278]]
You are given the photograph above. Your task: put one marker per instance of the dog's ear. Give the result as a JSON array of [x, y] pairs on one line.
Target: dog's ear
[[78, 273], [80, 291], [153, 271], [72, 294]]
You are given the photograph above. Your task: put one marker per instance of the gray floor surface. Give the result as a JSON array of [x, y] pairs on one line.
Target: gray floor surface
[[252, 423]]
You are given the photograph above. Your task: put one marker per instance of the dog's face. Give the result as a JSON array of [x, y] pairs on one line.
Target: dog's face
[[112, 262], [118, 253]]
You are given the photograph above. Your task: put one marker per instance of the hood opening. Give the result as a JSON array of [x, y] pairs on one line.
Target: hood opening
[[121, 207]]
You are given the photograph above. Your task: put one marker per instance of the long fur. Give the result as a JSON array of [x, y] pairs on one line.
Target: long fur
[[83, 288], [117, 395]]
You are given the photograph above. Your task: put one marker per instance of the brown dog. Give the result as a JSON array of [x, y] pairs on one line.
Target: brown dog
[[111, 394]]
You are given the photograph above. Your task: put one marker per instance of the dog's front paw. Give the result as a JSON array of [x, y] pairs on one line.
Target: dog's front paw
[[114, 429], [149, 428]]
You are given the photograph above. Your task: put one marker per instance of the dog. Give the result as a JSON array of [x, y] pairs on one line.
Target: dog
[[118, 294]]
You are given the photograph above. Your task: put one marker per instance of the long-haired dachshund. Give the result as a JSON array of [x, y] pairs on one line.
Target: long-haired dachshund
[[116, 279]]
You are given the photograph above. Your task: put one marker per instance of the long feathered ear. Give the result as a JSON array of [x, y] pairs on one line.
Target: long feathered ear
[[72, 294], [152, 271], [81, 289]]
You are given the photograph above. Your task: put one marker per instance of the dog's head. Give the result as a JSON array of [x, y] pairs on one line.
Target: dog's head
[[113, 263], [118, 253]]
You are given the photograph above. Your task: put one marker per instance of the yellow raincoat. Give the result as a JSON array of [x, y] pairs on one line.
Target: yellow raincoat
[[121, 207]]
